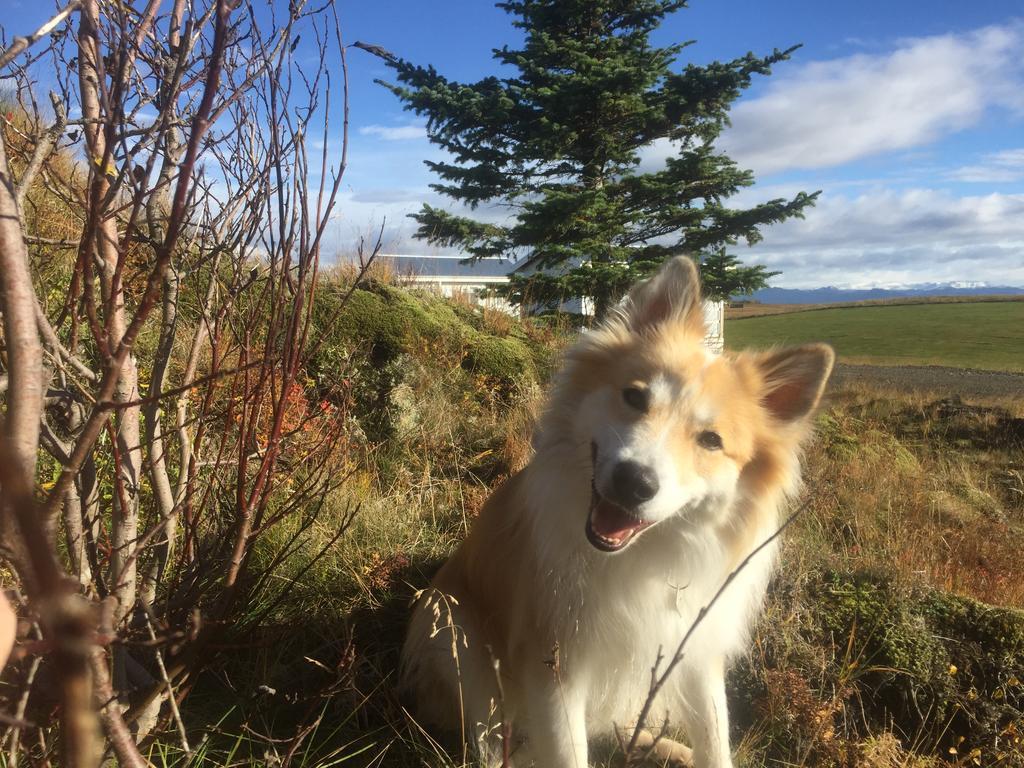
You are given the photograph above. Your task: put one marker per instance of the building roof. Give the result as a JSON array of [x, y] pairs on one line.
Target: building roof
[[446, 266]]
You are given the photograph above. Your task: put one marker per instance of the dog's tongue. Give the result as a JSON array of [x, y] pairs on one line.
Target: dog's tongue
[[612, 522]]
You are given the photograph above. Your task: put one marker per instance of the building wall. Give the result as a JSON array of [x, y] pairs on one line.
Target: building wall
[[473, 289], [714, 319]]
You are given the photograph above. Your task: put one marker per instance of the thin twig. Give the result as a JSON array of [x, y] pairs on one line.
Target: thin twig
[[196, 383], [171, 700], [200, 124], [19, 711], [21, 43], [658, 680], [44, 146]]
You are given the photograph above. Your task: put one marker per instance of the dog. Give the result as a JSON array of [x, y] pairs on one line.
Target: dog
[[658, 468]]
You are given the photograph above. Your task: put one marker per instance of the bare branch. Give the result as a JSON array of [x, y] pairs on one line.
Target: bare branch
[[171, 213], [24, 404], [20, 44], [25, 359], [44, 146]]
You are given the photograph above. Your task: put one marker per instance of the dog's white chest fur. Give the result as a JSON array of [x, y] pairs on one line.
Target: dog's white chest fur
[[618, 616]]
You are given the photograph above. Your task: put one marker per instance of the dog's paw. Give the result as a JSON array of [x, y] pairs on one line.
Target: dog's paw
[[652, 750]]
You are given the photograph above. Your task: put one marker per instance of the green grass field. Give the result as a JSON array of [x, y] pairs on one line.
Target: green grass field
[[974, 335]]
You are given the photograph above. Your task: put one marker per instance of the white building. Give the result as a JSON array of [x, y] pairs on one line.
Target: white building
[[452, 276], [714, 320]]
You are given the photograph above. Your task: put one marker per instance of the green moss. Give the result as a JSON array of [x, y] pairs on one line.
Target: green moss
[[389, 320], [366, 318], [894, 639], [382, 339], [839, 443], [505, 361], [987, 641], [935, 664]]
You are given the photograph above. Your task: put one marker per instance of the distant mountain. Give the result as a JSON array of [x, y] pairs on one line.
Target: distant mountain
[[832, 295]]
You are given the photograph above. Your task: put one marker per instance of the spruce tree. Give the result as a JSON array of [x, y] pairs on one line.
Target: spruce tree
[[722, 275], [559, 144]]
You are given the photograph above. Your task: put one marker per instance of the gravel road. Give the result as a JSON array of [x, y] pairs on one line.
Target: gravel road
[[934, 378]]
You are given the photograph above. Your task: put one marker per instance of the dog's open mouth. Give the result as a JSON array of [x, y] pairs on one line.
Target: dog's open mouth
[[609, 526]]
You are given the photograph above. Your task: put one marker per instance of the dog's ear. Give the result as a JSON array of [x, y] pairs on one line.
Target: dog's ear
[[671, 295], [794, 379]]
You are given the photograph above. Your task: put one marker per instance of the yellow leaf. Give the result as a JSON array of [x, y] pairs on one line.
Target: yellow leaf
[[952, 669], [110, 170]]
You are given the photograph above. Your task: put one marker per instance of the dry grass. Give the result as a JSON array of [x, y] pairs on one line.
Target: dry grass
[[901, 483], [890, 493], [498, 322], [348, 268]]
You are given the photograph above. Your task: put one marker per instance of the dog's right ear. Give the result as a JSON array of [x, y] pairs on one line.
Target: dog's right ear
[[670, 296]]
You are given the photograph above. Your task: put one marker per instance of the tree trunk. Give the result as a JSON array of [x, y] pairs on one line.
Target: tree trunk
[[125, 507], [24, 356]]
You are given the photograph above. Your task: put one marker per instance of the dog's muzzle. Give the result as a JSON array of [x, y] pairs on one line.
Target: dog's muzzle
[[610, 526]]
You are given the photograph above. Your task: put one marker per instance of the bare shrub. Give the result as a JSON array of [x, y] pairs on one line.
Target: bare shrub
[[160, 240]]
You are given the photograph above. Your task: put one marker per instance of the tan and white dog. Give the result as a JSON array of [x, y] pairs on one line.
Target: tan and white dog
[[658, 468]]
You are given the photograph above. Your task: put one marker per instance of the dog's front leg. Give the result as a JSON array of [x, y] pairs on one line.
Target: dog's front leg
[[707, 717], [557, 727]]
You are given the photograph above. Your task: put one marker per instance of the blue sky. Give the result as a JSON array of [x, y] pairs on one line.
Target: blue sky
[[909, 116]]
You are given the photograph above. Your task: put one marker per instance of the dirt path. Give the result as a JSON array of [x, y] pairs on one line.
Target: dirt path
[[934, 378]]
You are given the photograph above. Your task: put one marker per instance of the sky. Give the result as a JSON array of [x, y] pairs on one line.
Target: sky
[[908, 116]]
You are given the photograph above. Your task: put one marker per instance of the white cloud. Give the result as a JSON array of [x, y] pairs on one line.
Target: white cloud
[[395, 132], [994, 168], [827, 113], [885, 236], [360, 215]]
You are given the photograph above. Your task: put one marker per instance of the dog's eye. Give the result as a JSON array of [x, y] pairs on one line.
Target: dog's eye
[[709, 441], [637, 398]]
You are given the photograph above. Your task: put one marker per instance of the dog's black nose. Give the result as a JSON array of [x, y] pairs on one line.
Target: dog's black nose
[[633, 483]]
